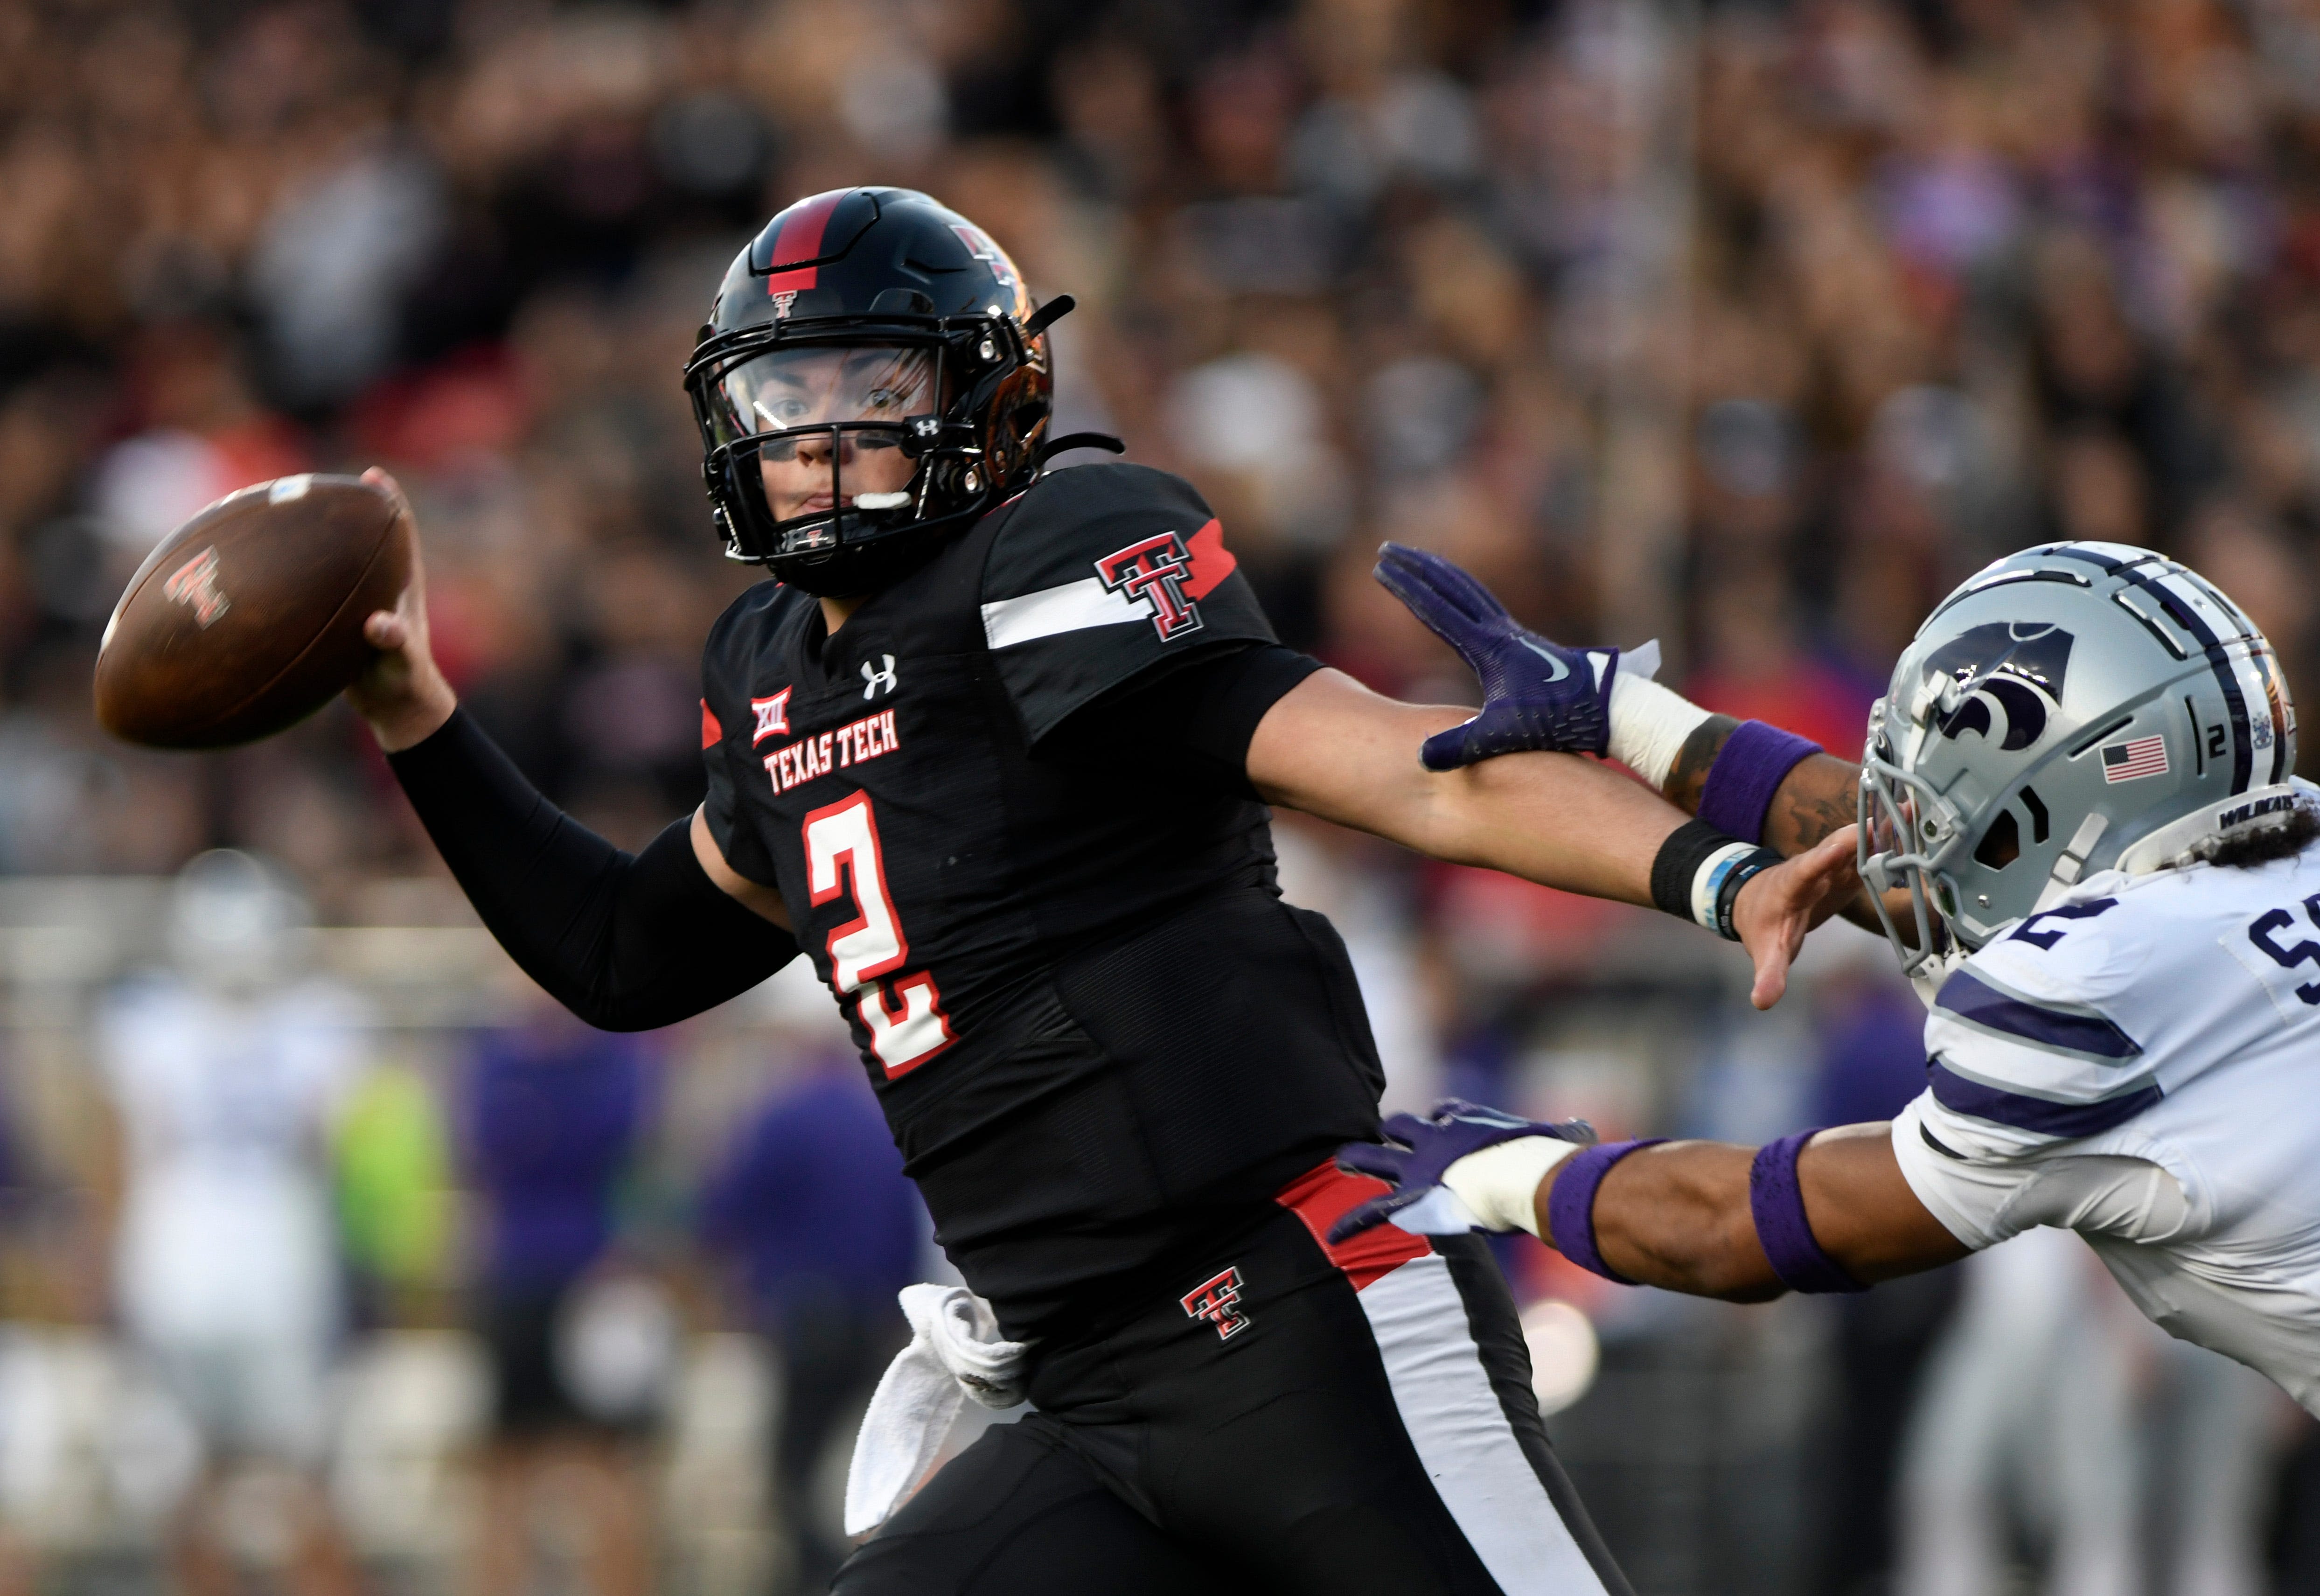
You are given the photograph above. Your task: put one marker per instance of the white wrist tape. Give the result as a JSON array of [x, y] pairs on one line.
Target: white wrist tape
[[1649, 725], [1500, 1183]]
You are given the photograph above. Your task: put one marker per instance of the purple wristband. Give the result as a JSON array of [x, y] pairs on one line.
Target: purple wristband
[[1778, 1202], [1571, 1203], [1748, 770]]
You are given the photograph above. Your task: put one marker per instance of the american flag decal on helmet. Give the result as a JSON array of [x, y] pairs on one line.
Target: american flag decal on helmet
[[2141, 757]]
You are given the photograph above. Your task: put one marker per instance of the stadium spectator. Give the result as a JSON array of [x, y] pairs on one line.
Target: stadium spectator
[[228, 1071], [811, 1210], [554, 1111]]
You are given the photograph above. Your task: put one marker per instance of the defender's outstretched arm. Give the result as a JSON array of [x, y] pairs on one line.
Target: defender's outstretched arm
[[1679, 1215], [1748, 780], [1334, 748], [1819, 1212]]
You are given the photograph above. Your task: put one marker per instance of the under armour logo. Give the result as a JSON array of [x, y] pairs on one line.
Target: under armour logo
[[875, 679], [1217, 1300], [773, 715], [1154, 571], [195, 582]]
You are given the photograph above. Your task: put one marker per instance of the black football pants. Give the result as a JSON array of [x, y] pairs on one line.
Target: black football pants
[[1284, 1416]]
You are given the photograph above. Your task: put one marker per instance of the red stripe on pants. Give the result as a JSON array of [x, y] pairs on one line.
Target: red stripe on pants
[[1322, 1195]]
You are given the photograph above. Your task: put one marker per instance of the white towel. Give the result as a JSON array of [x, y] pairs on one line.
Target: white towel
[[955, 1352]]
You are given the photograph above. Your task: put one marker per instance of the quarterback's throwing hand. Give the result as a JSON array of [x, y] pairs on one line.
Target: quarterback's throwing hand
[[401, 693], [1775, 909], [1417, 1156], [1536, 694]]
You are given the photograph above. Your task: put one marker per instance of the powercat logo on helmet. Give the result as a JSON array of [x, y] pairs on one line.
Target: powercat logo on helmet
[[2011, 673]]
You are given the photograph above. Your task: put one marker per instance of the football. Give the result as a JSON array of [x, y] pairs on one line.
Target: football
[[248, 618]]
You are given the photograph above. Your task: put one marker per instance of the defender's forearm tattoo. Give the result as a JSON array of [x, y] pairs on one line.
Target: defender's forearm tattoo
[[1820, 796], [1815, 799], [1687, 778]]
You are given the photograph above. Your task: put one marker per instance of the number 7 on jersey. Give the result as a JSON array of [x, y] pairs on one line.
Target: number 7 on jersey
[[842, 851]]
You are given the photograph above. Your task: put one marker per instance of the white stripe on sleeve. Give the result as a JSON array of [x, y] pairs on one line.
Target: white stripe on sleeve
[[1072, 607]]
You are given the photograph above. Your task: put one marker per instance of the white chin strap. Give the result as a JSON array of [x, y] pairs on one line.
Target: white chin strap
[[2072, 865], [1930, 975]]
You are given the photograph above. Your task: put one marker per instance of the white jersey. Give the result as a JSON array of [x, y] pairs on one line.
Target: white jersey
[[227, 1227], [2141, 1063]]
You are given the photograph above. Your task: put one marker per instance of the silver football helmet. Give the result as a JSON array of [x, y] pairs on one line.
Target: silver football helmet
[[2072, 707]]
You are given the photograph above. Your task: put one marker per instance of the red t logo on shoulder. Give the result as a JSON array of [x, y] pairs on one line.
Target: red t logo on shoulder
[[1154, 571]]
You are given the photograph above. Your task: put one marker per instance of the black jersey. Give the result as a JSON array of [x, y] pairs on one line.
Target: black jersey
[[1051, 923]]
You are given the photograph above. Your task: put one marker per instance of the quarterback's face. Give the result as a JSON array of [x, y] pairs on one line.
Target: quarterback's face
[[871, 387]]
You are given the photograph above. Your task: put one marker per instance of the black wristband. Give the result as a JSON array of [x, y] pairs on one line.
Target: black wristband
[[1699, 872]]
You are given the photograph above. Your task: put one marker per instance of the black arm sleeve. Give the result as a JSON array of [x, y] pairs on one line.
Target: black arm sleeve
[[1190, 723], [627, 942]]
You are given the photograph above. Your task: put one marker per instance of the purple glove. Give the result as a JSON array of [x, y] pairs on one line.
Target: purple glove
[[1426, 1149], [1536, 693]]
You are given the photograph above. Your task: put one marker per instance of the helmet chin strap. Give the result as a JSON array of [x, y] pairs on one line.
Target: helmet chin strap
[[2072, 865], [1926, 983]]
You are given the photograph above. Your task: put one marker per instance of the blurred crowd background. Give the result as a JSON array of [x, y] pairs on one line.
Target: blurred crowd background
[[334, 1260]]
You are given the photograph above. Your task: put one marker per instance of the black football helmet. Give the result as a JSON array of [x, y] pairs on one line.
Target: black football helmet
[[872, 377]]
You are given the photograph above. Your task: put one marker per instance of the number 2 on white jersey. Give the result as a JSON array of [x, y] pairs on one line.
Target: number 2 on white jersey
[[908, 1026]]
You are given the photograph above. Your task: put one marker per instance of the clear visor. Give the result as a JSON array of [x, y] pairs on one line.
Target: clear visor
[[829, 424], [1909, 837]]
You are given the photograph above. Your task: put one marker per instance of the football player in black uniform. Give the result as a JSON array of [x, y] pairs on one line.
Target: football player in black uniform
[[994, 749]]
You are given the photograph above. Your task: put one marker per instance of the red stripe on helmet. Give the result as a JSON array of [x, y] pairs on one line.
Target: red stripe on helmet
[[801, 239]]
